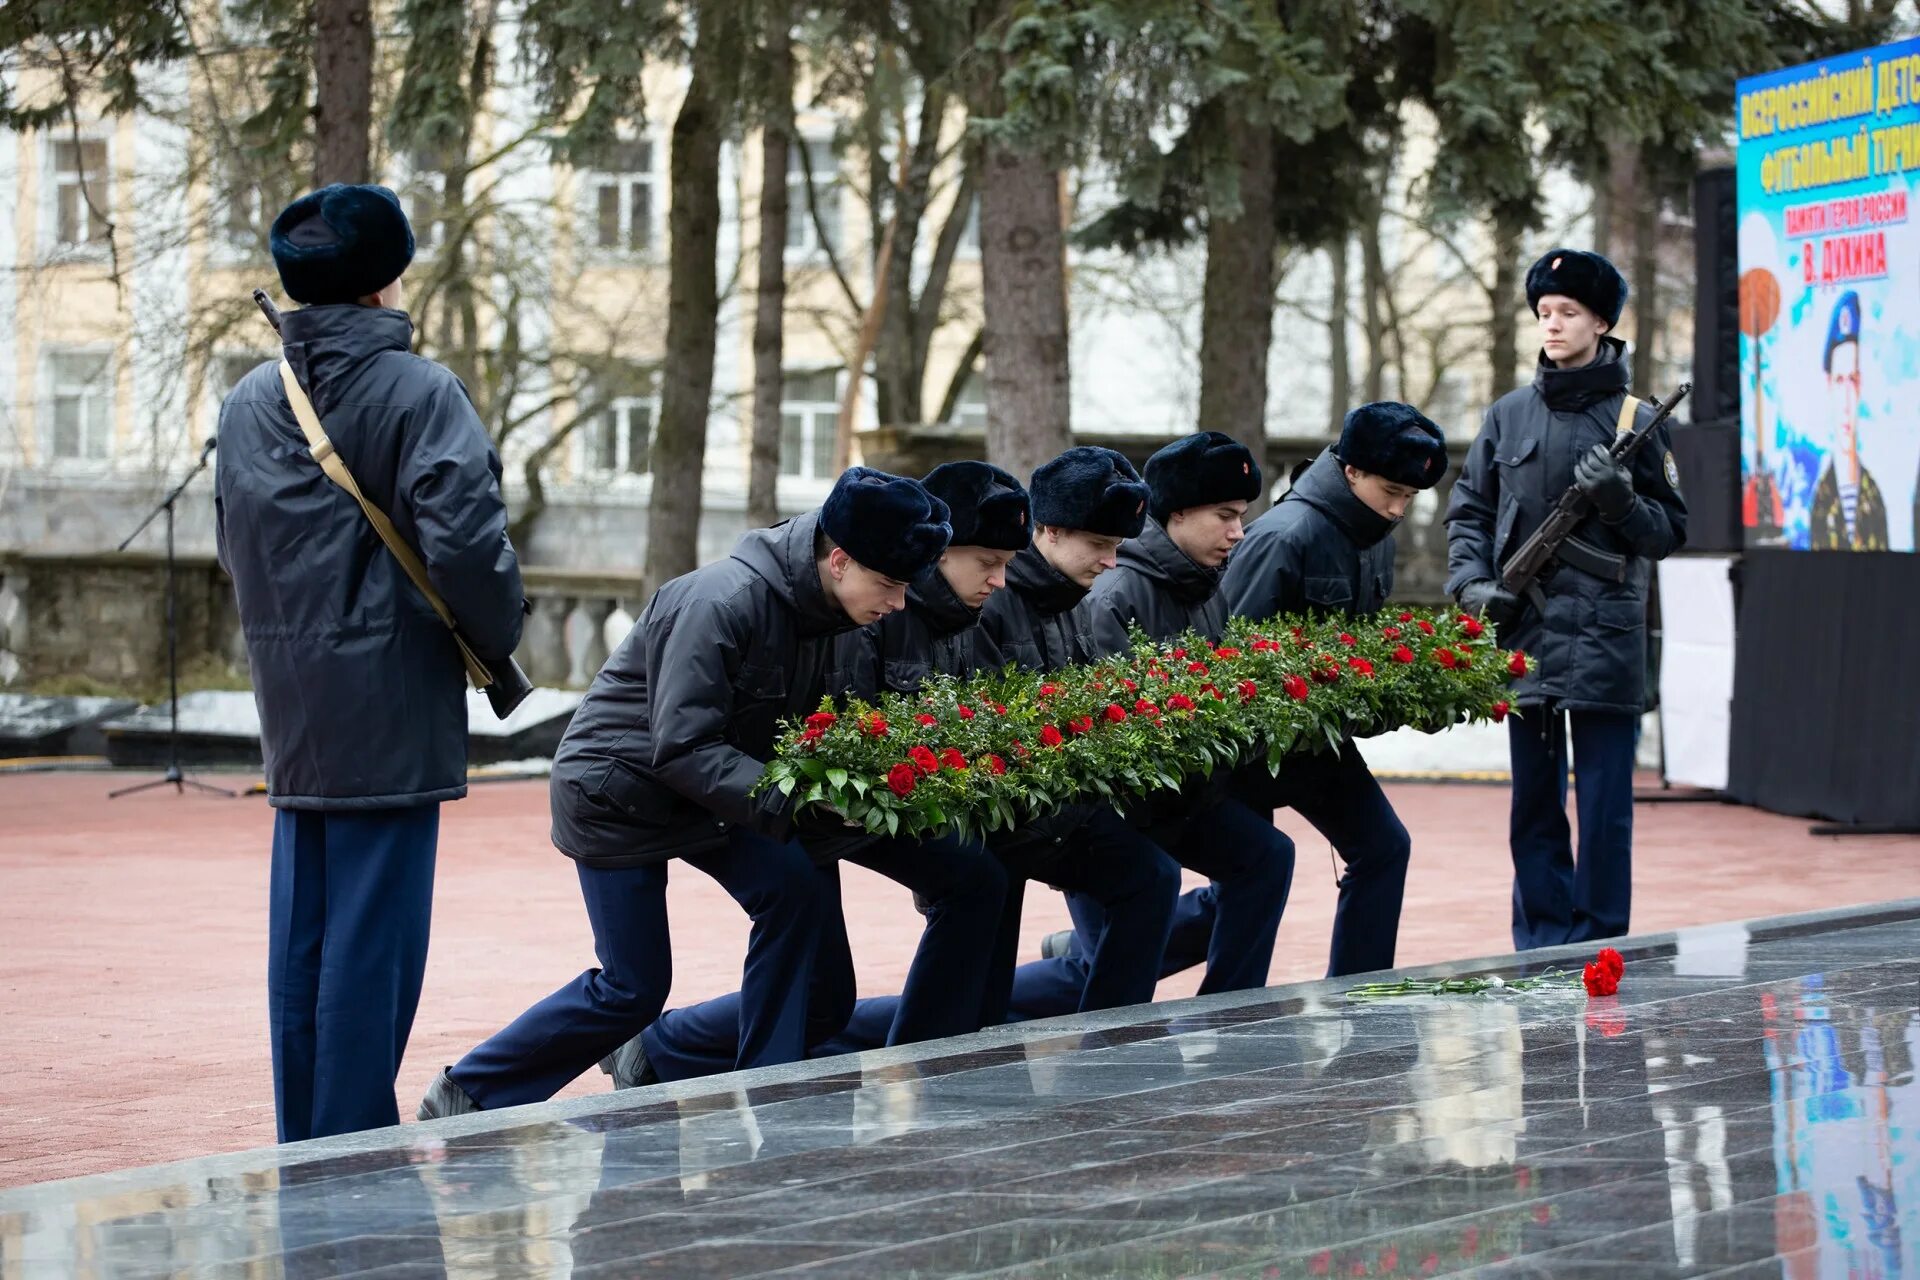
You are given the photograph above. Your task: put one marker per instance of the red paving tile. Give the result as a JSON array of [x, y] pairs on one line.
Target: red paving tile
[[133, 939]]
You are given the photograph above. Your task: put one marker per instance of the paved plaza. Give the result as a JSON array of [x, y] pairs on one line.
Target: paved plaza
[[1745, 1107]]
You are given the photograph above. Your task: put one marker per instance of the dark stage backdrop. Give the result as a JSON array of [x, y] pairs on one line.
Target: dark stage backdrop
[[1826, 692]]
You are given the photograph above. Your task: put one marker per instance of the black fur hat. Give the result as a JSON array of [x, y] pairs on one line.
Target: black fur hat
[[987, 505], [1200, 469], [890, 524], [341, 243], [1587, 278], [1394, 441], [1092, 489]]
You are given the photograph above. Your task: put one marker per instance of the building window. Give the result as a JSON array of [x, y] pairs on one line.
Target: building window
[[809, 415], [82, 193], [802, 238], [79, 405], [623, 203], [618, 440]]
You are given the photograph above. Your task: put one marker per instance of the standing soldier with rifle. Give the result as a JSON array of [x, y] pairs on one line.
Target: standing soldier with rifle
[[1581, 615]]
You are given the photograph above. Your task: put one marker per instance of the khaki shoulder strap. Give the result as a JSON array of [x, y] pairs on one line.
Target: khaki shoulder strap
[[336, 469], [1628, 407]]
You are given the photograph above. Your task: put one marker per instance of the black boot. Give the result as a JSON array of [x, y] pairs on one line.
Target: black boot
[[629, 1067], [445, 1098]]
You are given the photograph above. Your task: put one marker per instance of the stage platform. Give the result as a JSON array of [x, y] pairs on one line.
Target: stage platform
[[1746, 1107]]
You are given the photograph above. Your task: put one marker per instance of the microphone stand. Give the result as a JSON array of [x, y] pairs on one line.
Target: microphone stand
[[173, 775]]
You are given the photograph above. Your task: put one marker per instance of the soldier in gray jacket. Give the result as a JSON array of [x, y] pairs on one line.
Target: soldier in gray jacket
[[1588, 649], [361, 688]]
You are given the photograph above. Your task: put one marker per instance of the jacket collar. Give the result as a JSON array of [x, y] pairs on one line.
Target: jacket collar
[[931, 597], [783, 555], [1045, 589], [325, 344], [1577, 390], [1155, 555], [1324, 487]]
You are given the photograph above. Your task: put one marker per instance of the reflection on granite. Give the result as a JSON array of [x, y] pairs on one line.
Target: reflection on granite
[[1746, 1107]]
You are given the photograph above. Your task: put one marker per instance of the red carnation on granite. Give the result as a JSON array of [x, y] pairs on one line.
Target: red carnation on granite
[[1050, 737], [924, 760], [901, 780], [1612, 961], [1599, 980]]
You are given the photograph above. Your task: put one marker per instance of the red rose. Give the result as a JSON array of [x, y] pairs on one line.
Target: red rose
[[1517, 663], [1226, 653], [1405, 616], [966, 713], [924, 760], [1048, 690], [1130, 686], [999, 708], [1179, 702], [822, 720], [1347, 640], [1296, 687], [1178, 654], [1500, 710], [1599, 981], [812, 736], [876, 725], [1050, 737], [1116, 713], [1446, 657], [1612, 961], [995, 765], [1390, 633], [1403, 654], [953, 760], [1472, 627], [1197, 668], [1083, 725], [1466, 659], [925, 719], [1145, 708], [1425, 626], [1213, 689], [900, 779], [1248, 690], [1020, 748], [1361, 665]]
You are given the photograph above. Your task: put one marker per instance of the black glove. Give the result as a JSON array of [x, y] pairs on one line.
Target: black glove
[[1489, 599], [1606, 482]]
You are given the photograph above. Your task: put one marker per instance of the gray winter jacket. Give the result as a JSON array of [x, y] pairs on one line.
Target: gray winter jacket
[[1319, 551], [361, 690], [1589, 652], [665, 750]]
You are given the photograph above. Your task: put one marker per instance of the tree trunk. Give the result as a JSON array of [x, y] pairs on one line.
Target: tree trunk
[[1645, 292], [1340, 379], [1024, 288], [1236, 316], [693, 304], [1503, 299], [897, 377], [763, 459], [1373, 283], [343, 96]]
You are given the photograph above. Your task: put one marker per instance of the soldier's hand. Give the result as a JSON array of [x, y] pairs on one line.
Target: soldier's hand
[[1605, 481], [1488, 599]]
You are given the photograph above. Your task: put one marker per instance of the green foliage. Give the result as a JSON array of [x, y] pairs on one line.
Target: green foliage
[[588, 59], [991, 751], [431, 112], [90, 47], [283, 121]]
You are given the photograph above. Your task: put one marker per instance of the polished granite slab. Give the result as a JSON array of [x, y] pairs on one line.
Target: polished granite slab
[[1746, 1107]]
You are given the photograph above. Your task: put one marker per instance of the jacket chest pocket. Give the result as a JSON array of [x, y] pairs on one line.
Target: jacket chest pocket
[[906, 675], [1328, 594], [759, 699]]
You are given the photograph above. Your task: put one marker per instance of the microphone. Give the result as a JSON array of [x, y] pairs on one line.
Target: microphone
[[206, 450]]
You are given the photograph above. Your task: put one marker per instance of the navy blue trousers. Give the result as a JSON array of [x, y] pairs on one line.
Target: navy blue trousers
[[778, 887], [1557, 899], [1230, 924], [1338, 795], [963, 886], [350, 901]]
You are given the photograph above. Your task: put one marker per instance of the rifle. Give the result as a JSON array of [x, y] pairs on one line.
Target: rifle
[[1554, 539], [506, 687]]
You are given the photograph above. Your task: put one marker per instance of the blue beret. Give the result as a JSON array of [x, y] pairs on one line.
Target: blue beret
[[1092, 489], [1843, 328], [1394, 441], [987, 505], [341, 243], [890, 524], [1198, 470], [1587, 278]]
